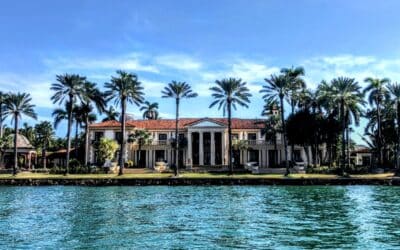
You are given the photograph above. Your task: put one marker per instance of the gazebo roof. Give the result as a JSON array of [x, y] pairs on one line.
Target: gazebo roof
[[22, 141]]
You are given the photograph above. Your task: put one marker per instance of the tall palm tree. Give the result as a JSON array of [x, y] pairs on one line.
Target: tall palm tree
[[124, 88], [377, 92], [394, 90], [294, 83], [111, 114], [227, 94], [150, 110], [3, 98], [276, 90], [44, 137], [91, 95], [17, 105], [178, 91], [68, 89], [346, 94]]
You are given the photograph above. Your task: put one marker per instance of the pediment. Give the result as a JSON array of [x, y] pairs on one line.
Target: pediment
[[207, 123]]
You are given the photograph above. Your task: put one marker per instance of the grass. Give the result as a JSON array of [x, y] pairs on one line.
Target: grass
[[185, 175]]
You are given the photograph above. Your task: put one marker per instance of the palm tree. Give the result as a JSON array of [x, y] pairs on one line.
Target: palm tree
[[91, 95], [3, 98], [68, 89], [111, 114], [227, 94], [150, 110], [178, 91], [294, 84], [17, 105], [44, 138], [124, 88], [394, 90], [276, 90], [377, 92], [346, 94]]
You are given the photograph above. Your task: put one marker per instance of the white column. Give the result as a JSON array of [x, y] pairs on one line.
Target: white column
[[189, 151], [223, 143], [212, 149], [201, 150]]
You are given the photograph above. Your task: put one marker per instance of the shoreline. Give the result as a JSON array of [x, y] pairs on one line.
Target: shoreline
[[184, 181]]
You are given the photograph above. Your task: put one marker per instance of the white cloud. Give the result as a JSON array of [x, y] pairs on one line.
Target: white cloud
[[178, 62], [36, 85], [358, 67], [130, 62]]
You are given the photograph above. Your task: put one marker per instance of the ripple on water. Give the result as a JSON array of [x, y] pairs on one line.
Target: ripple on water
[[217, 217]]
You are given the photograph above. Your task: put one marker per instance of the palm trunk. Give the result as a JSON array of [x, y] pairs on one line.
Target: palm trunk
[[122, 139], [284, 136], [292, 143], [15, 146], [176, 170], [378, 108], [229, 102], [87, 141], [76, 139], [343, 160], [71, 103], [44, 156], [348, 145]]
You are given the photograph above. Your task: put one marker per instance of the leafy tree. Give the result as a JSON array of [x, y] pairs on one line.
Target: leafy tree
[[227, 94], [107, 149], [68, 89], [177, 91], [17, 105], [44, 138], [150, 110], [276, 90], [141, 137], [124, 88]]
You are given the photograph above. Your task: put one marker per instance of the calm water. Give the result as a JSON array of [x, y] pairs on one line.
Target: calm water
[[355, 217]]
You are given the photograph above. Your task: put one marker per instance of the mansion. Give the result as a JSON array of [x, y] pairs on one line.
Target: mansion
[[206, 142]]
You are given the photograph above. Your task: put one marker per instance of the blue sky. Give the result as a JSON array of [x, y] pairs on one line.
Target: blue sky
[[194, 41]]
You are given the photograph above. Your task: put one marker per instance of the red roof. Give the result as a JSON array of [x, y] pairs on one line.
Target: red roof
[[183, 122]]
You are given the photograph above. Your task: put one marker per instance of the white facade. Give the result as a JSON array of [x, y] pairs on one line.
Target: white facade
[[207, 145]]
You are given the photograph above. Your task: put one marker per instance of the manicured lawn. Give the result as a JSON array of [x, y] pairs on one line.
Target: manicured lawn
[[186, 175]]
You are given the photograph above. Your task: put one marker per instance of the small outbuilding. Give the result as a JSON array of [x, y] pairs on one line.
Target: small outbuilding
[[26, 153]]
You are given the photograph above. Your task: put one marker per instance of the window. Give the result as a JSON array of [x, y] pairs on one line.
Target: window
[[98, 136], [181, 136], [251, 136], [118, 136], [162, 137], [235, 136]]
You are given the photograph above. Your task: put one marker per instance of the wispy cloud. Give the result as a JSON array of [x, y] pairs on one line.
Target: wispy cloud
[[358, 67], [132, 62], [36, 85], [178, 62]]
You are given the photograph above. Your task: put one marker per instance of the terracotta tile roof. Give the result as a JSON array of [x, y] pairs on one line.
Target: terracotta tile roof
[[237, 123]]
